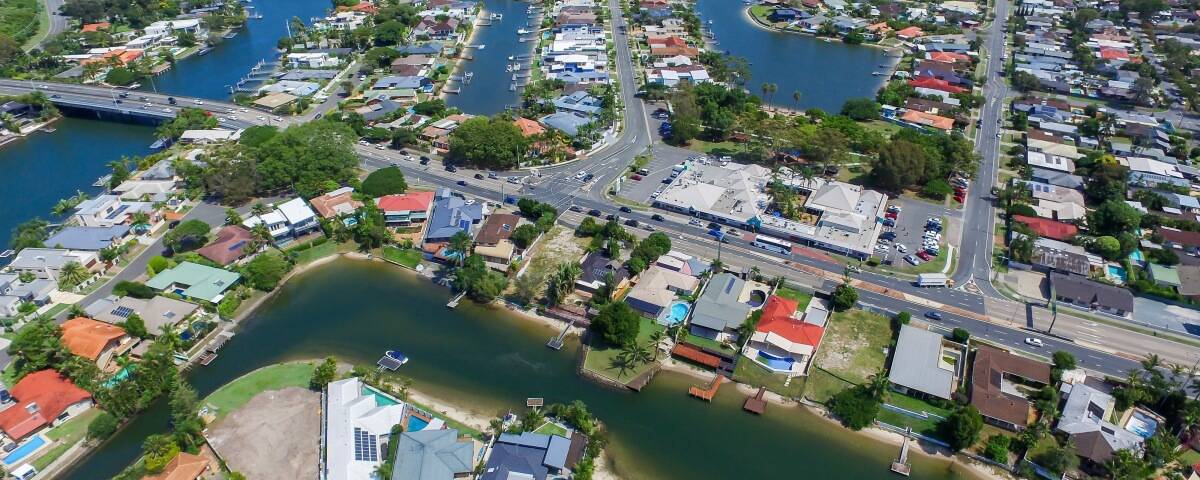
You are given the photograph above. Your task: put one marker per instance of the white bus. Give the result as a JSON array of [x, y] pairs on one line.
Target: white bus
[[773, 244]]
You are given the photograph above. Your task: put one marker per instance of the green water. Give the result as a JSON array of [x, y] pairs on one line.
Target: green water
[[489, 361]]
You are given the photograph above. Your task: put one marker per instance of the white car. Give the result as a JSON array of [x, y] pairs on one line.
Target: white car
[[198, 102], [901, 248], [243, 110], [380, 147], [1034, 342], [262, 118], [166, 110], [278, 119]]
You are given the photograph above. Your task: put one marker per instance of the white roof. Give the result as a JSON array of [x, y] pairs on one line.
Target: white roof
[[1052, 162], [296, 211], [347, 408], [214, 134], [1149, 165]]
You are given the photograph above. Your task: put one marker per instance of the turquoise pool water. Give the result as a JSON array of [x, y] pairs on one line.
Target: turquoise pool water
[[381, 400], [677, 313], [1142, 425], [118, 378], [1137, 256], [24, 450], [1117, 272], [416, 424], [777, 363]]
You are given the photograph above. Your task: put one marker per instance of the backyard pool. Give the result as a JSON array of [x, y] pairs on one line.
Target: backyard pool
[[1116, 273], [778, 363], [381, 399], [1137, 257], [24, 450], [118, 378], [1142, 424], [416, 424], [675, 314]]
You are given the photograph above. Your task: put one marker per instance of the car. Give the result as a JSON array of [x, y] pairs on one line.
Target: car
[[594, 212], [731, 231], [887, 222], [1034, 342], [244, 110], [589, 177], [424, 158], [424, 161], [625, 209], [667, 180], [173, 224], [260, 118], [714, 226], [901, 248], [278, 119], [887, 236], [997, 135], [891, 215], [960, 199], [643, 172], [658, 218], [610, 217], [363, 142], [451, 168], [881, 247], [894, 208], [117, 101], [632, 222], [492, 175], [197, 101], [166, 110], [479, 176], [924, 256], [123, 94], [462, 183], [933, 315], [575, 208], [380, 147], [648, 227], [55, 95], [394, 164], [171, 100], [636, 177], [912, 259]]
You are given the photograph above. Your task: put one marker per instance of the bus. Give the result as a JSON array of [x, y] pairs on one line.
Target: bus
[[773, 244]]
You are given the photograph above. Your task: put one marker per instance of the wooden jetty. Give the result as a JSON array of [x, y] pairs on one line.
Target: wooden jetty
[[534, 402], [901, 465], [756, 404], [454, 301], [210, 352], [708, 391], [557, 342]]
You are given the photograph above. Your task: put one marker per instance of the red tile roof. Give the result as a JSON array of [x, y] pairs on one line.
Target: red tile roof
[[229, 246], [1048, 228], [910, 32], [991, 367], [184, 466], [936, 84], [1179, 237], [45, 392], [694, 354], [1114, 54], [928, 119], [948, 57], [89, 338], [777, 318], [95, 27], [407, 202], [327, 204], [529, 127]]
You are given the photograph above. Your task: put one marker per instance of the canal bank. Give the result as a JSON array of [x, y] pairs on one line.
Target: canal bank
[[825, 73], [488, 92], [486, 360]]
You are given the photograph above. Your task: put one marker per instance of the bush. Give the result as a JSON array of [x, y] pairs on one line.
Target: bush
[[187, 236], [617, 324], [265, 271], [937, 189], [861, 109], [524, 235], [1022, 209], [855, 407], [157, 264], [133, 289], [102, 427], [961, 429], [385, 181], [844, 297], [996, 448], [323, 374], [960, 335], [900, 320], [120, 76]]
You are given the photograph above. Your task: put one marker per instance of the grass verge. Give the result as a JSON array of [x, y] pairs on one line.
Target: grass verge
[[602, 361], [274, 377], [408, 257]]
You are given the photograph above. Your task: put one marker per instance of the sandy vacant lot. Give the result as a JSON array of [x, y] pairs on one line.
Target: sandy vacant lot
[[275, 435]]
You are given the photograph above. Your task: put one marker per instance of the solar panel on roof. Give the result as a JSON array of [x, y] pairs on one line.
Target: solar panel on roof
[[123, 312], [237, 245], [366, 448]]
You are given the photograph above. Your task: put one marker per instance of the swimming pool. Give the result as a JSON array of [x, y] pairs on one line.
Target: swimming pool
[[381, 399], [1142, 425], [416, 424], [675, 314], [1136, 256], [778, 363], [118, 378], [1116, 273], [24, 450]]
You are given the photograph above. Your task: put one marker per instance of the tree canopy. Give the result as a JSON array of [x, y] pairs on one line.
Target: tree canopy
[[307, 155], [186, 119], [617, 323], [493, 143], [385, 181]]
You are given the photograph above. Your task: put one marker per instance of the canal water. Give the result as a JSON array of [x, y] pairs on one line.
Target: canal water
[[490, 361], [488, 93], [825, 73]]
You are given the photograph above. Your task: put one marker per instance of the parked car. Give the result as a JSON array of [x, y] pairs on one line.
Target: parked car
[[891, 215], [424, 161], [656, 217], [924, 256], [887, 236], [1034, 342], [632, 222], [694, 222], [636, 177], [171, 100], [625, 209], [901, 248], [912, 259], [593, 212], [493, 175], [451, 168], [575, 208], [888, 222], [894, 208], [479, 176]]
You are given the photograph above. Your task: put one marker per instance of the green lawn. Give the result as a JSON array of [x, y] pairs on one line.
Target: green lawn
[[67, 434], [407, 257], [793, 294], [600, 360], [1189, 457], [852, 350], [887, 129], [274, 377], [755, 375], [551, 428], [924, 427], [314, 253], [708, 342]]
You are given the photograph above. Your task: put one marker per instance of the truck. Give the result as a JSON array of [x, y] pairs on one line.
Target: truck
[[933, 280]]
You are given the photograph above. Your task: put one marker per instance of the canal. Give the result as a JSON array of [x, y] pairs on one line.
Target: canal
[[488, 93], [490, 361], [825, 73]]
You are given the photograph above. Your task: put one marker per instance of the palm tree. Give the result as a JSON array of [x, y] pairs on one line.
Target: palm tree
[[262, 234], [656, 339], [460, 243], [878, 384], [232, 217], [140, 221], [260, 209], [622, 363], [796, 98], [71, 275], [644, 353], [1151, 363]]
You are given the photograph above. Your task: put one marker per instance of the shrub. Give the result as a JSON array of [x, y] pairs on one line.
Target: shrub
[[617, 324], [961, 429], [385, 181], [844, 297], [133, 289], [960, 335], [996, 448], [855, 407], [157, 264], [102, 427]]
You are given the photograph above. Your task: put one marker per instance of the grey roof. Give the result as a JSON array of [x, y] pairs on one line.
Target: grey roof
[[1084, 413], [431, 48], [566, 122], [915, 363], [1057, 178], [162, 170], [581, 102], [86, 238], [40, 258], [718, 307], [1082, 290], [596, 264], [36, 291], [452, 214], [526, 455], [155, 312], [432, 455], [306, 74], [392, 82]]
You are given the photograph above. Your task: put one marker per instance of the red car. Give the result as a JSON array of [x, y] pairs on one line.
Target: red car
[[636, 177], [960, 198], [924, 256], [891, 215]]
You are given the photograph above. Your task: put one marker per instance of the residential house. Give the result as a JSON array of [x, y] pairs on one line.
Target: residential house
[[529, 456], [938, 84], [1084, 419], [87, 238], [926, 363], [569, 123], [579, 102], [1184, 240], [1189, 281], [1164, 275], [453, 214], [721, 308], [1001, 383], [184, 466], [207, 137], [657, 288], [276, 101], [909, 33], [94, 340], [438, 133], [492, 241], [109, 210], [396, 82], [43, 398], [291, 87], [336, 203], [594, 267], [1087, 294], [1057, 178], [356, 430], [683, 263], [671, 47], [155, 312], [401, 210], [195, 281], [288, 221], [1049, 162], [46, 262], [14, 293], [1048, 228], [786, 339], [433, 455], [229, 245], [922, 119], [1053, 255]]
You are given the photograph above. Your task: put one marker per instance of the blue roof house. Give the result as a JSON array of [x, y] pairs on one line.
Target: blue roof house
[[566, 122], [451, 215], [527, 455], [579, 102], [87, 238]]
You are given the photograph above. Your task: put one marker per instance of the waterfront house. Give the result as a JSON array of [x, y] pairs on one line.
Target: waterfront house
[[194, 281], [87, 238], [14, 293], [786, 339], [594, 267], [529, 128], [288, 221], [96, 341], [336, 203], [155, 312], [42, 399], [404, 209], [433, 455], [909, 33], [928, 120], [569, 123], [46, 262], [1185, 241], [925, 363], [934, 83], [579, 102], [276, 101], [312, 60], [492, 241], [356, 430], [205, 137], [529, 456], [722, 307], [229, 245], [143, 190], [184, 466], [673, 76], [1001, 383], [291, 87], [1091, 295], [397, 82], [421, 63], [671, 47], [109, 210], [1085, 421], [657, 288], [783, 15], [452, 214]]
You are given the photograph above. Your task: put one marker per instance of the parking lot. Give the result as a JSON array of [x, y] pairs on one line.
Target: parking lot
[[910, 227], [663, 158]]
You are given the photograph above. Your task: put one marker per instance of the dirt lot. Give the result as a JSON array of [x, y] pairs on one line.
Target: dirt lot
[[275, 435]]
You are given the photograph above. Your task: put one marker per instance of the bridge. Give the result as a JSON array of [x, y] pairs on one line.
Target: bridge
[[136, 103]]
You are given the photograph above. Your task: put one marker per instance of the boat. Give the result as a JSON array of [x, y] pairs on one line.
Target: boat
[[826, 40], [710, 22], [481, 47], [510, 57], [204, 51], [229, 35], [508, 68], [392, 360], [7, 253], [497, 16], [467, 77], [521, 31], [876, 73]]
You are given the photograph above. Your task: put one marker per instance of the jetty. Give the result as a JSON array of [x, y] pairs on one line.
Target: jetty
[[535, 402], [210, 352], [707, 392], [901, 465], [756, 404], [454, 301], [557, 342]]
